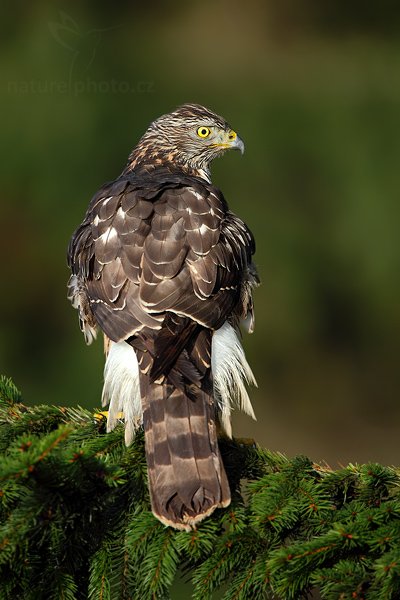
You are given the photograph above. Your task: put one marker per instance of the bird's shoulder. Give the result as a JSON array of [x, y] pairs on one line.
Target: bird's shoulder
[[148, 194], [153, 185]]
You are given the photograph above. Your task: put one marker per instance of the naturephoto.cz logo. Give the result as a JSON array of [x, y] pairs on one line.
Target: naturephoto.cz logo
[[75, 88], [82, 45]]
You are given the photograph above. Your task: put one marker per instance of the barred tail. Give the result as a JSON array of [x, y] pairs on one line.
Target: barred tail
[[177, 405], [187, 479]]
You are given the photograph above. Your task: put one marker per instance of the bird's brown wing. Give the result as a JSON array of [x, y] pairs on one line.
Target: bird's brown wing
[[147, 250]]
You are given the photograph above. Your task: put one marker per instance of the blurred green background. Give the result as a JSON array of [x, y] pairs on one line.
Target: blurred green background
[[314, 89]]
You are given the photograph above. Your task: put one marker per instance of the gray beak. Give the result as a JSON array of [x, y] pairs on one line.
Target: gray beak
[[238, 144]]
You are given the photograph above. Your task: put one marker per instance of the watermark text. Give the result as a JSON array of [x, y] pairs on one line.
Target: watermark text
[[79, 87]]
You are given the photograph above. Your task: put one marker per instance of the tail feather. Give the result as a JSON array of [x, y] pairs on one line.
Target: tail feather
[[187, 479]]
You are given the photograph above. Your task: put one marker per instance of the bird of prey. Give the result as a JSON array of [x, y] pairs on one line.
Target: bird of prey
[[164, 269]]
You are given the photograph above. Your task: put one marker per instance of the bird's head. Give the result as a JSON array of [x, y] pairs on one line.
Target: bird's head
[[191, 136]]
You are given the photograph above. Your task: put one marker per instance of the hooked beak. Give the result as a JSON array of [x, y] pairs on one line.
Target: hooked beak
[[230, 141], [234, 141], [238, 144]]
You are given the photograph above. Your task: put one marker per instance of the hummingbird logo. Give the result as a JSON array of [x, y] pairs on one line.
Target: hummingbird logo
[[80, 43]]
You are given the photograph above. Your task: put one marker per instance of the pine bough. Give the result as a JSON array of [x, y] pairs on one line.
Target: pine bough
[[76, 524]]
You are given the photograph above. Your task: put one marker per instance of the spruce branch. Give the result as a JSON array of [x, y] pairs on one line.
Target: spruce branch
[[75, 520]]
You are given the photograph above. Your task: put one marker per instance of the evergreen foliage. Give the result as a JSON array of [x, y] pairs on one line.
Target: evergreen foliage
[[75, 520]]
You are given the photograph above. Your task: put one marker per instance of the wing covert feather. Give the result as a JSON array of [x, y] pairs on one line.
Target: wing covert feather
[[144, 252]]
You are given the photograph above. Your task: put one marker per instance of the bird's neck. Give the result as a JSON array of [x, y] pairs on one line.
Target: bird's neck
[[147, 157], [203, 174]]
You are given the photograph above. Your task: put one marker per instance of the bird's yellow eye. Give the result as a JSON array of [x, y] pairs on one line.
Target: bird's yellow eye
[[203, 132]]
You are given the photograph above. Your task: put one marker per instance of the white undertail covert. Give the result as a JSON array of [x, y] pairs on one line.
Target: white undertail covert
[[230, 371], [122, 389]]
